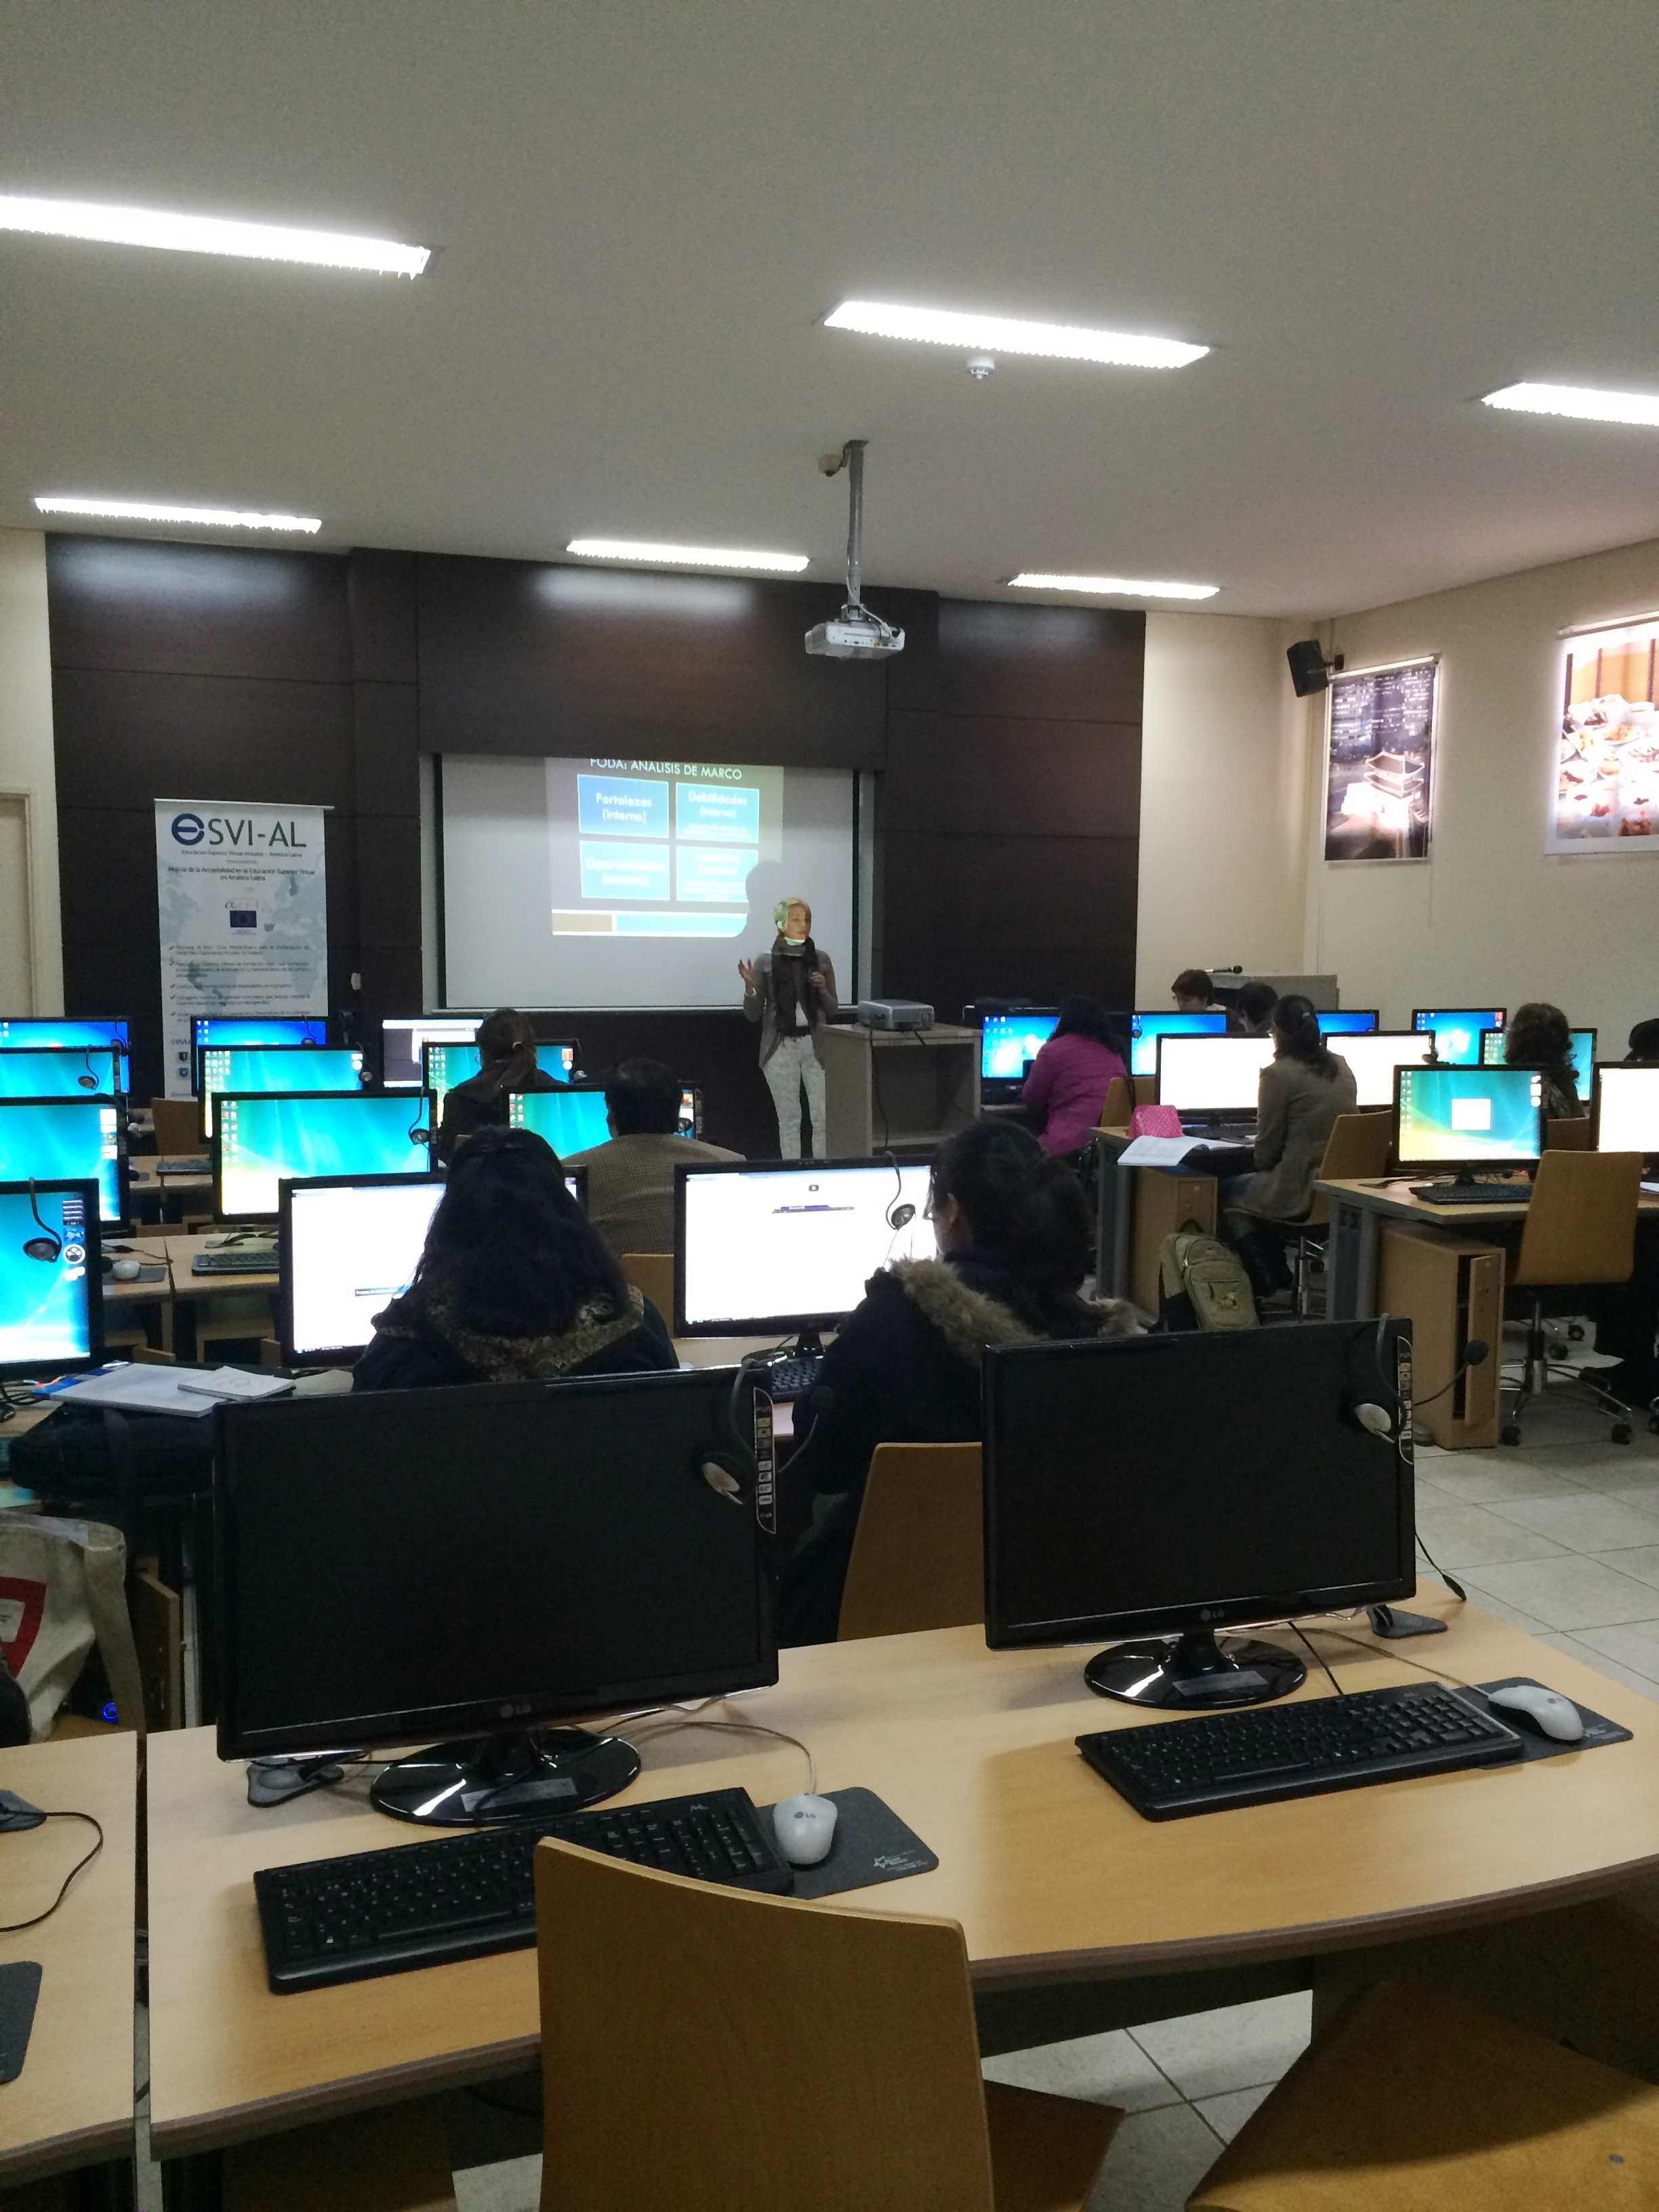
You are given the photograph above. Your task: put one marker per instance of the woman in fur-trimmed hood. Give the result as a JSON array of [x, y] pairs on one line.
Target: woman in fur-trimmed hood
[[1013, 1232]]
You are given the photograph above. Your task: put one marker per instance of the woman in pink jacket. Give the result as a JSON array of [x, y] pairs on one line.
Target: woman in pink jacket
[[1070, 1077]]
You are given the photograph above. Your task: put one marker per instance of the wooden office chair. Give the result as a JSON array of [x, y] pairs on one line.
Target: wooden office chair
[[713, 2050], [1410, 2099], [1356, 1147], [1118, 1105], [1571, 1136], [177, 1127], [1580, 1228], [651, 1275], [918, 1553]]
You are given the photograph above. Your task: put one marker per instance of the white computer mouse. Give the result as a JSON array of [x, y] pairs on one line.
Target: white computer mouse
[[125, 1271], [805, 1828], [1554, 1716]]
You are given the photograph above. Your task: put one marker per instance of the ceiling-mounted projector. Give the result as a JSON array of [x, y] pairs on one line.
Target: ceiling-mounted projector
[[855, 633]]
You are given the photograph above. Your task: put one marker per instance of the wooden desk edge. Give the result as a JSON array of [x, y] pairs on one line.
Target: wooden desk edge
[[67, 2154]]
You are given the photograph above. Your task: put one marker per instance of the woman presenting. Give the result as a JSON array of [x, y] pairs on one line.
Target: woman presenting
[[791, 992]]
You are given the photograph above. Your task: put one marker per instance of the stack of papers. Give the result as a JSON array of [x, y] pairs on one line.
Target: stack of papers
[[191, 1391]]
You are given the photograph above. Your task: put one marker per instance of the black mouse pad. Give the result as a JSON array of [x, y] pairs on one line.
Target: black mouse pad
[[872, 1844], [1598, 1728], [19, 1985]]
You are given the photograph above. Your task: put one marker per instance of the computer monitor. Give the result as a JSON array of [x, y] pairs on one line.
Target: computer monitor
[[260, 1028], [1457, 1030], [448, 1563], [58, 1071], [50, 1308], [1467, 1118], [1161, 1488], [1582, 1050], [446, 1063], [1373, 1056], [1211, 1076], [691, 1120], [262, 1139], [68, 1032], [1349, 1021], [1006, 1042], [769, 1248], [402, 1037], [273, 1068], [571, 1120], [1626, 1111], [67, 1140], [1146, 1028], [346, 1246]]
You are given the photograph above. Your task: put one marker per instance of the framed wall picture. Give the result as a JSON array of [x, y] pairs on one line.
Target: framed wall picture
[[1604, 795], [1380, 766]]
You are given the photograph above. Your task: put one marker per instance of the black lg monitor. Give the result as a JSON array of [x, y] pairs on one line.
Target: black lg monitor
[[1161, 1488], [260, 1028], [1457, 1030], [221, 1067], [263, 1139], [1465, 1120], [449, 1564], [67, 1139], [50, 1306], [70, 1032], [1148, 1025]]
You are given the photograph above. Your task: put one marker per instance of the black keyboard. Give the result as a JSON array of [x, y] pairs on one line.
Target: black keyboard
[[1472, 1193], [794, 1376], [1212, 1761], [417, 1905]]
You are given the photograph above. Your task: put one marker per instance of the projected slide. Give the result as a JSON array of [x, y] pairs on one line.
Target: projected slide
[[626, 882], [44, 1321]]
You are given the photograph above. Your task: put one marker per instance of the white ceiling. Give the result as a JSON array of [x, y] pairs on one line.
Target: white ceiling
[[1374, 212]]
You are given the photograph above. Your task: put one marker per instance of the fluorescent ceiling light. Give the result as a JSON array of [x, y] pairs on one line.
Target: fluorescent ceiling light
[[1581, 401], [207, 234], [152, 510], [685, 556], [1122, 587], [1004, 334]]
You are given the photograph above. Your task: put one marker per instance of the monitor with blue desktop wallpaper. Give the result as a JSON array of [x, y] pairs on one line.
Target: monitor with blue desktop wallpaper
[[571, 1120], [274, 1067], [261, 1029], [50, 1311], [448, 1062], [1582, 1048], [1006, 1042], [1457, 1030], [64, 1030], [1351, 1021], [58, 1071], [263, 1138], [66, 1141], [1146, 1028], [1467, 1117]]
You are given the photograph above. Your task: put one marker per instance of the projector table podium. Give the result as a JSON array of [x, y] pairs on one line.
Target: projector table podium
[[1078, 1915], [904, 1087]]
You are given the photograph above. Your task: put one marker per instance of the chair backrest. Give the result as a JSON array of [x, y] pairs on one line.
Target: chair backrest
[[1146, 1089], [178, 1129], [1571, 1136], [1581, 1223], [1120, 1104], [713, 2050], [651, 1275], [919, 1555], [1357, 1146]]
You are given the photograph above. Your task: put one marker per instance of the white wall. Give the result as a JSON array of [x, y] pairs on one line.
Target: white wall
[[27, 765], [1224, 802], [1491, 918]]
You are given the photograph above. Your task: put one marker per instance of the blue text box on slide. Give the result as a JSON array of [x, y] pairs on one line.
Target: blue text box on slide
[[626, 872], [716, 872], [621, 806], [716, 813]]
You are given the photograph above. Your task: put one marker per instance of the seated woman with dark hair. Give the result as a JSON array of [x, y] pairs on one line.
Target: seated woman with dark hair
[[507, 1062], [1012, 1231], [1300, 1093], [1071, 1076], [513, 1285], [1538, 1040]]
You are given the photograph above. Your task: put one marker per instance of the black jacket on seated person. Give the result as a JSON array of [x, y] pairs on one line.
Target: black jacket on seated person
[[424, 1352], [906, 1370]]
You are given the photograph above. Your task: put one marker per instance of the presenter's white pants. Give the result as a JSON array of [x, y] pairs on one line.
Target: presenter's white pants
[[793, 1062]]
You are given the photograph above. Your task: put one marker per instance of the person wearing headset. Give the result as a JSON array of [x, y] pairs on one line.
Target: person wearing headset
[[791, 992]]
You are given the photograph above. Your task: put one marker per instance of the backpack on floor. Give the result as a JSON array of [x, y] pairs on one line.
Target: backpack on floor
[[1202, 1283]]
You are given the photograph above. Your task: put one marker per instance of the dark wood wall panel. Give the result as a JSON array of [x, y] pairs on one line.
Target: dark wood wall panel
[[198, 610]]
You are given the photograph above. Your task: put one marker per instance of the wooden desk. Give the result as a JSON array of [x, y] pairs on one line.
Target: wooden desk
[[1052, 1876], [1136, 1209], [72, 2104], [908, 1088], [181, 1253]]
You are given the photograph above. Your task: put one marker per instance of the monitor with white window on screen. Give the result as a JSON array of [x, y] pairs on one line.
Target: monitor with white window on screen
[[764, 1248], [1146, 1028], [50, 1309], [1456, 1031], [67, 1139], [1625, 1113], [263, 1138], [58, 1071], [272, 1067], [571, 1120], [1373, 1057], [1211, 1077], [1582, 1049], [1468, 1119], [1349, 1021], [402, 1037]]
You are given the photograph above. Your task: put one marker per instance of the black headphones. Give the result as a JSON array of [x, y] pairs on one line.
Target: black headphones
[[49, 1244]]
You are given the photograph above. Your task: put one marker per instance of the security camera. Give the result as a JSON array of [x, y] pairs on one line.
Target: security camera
[[979, 366], [832, 464]]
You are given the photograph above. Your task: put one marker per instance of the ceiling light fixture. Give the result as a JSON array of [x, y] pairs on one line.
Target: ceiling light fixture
[[152, 510], [207, 234], [1581, 401], [1121, 587], [1005, 334], [686, 557]]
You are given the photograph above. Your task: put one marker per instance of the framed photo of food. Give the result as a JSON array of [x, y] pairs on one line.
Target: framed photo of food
[[1380, 766], [1604, 793]]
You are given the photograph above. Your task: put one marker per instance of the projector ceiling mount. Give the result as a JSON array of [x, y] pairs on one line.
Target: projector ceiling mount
[[855, 634]]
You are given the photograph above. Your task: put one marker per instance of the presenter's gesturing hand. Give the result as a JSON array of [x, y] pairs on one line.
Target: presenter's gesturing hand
[[747, 970], [815, 979]]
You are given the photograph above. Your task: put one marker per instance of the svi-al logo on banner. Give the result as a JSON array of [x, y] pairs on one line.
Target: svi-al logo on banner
[[188, 828]]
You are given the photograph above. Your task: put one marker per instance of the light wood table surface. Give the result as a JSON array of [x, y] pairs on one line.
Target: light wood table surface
[[1052, 1876], [181, 1253], [72, 2104]]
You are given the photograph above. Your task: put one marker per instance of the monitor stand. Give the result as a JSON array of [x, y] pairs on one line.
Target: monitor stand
[[1194, 1670], [519, 1774]]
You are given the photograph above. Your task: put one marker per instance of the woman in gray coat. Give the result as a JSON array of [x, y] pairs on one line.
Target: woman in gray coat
[[791, 992], [1303, 1090]]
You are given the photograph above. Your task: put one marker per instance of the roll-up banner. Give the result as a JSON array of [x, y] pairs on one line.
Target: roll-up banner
[[242, 896]]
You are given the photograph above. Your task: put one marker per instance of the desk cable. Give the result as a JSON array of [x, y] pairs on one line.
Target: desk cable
[[14, 1927], [673, 1716]]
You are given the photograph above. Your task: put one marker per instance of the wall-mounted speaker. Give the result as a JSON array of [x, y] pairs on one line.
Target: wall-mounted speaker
[[1309, 670]]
